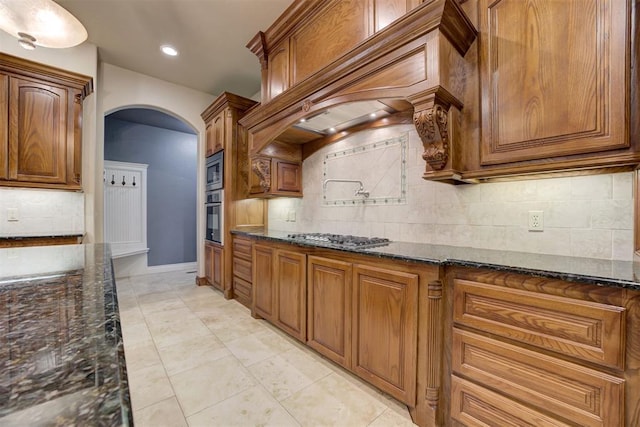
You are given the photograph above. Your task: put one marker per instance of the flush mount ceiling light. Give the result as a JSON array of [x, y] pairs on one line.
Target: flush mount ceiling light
[[169, 50], [41, 23]]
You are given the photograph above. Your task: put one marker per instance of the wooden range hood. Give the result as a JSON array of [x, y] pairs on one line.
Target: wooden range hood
[[320, 54]]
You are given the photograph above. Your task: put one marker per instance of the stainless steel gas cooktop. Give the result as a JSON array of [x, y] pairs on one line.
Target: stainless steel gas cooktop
[[339, 240]]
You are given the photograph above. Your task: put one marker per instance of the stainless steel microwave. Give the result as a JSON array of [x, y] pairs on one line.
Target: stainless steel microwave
[[214, 167]]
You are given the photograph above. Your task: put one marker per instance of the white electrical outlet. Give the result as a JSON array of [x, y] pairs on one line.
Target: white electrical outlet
[[12, 214], [536, 221]]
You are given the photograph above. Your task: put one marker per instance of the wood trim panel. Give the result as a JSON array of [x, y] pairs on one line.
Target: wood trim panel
[[586, 330], [329, 308], [4, 130], [385, 315], [40, 241], [584, 396], [475, 406]]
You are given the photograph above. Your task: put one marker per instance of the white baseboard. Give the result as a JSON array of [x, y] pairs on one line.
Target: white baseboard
[[172, 267]]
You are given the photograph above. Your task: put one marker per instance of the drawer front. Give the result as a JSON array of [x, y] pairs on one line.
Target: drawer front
[[242, 269], [242, 248], [585, 396], [475, 406], [589, 331], [242, 287]]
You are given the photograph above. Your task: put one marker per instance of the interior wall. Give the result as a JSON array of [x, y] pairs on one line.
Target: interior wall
[[38, 207], [585, 216], [120, 88], [171, 185]]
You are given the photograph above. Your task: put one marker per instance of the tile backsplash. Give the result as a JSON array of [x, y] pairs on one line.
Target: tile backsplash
[[584, 216], [41, 212]]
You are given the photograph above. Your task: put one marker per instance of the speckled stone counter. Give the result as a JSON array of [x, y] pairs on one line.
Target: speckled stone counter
[[61, 351], [625, 274]]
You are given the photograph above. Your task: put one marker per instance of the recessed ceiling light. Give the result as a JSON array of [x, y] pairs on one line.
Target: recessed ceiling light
[[373, 115], [169, 50]]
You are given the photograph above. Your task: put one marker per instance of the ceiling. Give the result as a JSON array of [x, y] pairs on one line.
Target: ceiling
[[210, 35]]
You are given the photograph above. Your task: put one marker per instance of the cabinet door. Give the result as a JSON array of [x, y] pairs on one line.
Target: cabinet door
[[291, 284], [329, 308], [209, 139], [218, 267], [385, 322], [218, 132], [289, 176], [37, 132], [208, 263], [553, 84], [263, 289], [278, 71]]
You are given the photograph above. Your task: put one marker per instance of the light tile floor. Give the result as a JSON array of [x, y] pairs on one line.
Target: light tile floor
[[196, 359]]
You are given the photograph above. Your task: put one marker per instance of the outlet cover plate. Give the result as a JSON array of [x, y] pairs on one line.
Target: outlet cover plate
[[536, 221]]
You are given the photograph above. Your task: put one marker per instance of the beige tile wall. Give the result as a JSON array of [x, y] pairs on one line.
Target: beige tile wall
[[587, 216], [41, 212]]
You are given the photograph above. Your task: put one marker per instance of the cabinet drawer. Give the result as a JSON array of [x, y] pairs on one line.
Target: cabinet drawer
[[586, 330], [242, 287], [242, 248], [475, 406], [242, 269], [585, 396]]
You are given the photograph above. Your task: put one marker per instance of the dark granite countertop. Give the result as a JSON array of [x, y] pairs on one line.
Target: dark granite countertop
[[624, 274], [61, 351]]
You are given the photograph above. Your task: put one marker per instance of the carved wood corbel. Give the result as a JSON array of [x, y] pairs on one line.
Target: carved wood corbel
[[434, 343], [262, 168], [433, 127]]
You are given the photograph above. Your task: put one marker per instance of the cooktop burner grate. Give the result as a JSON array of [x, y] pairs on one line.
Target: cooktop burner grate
[[340, 240]]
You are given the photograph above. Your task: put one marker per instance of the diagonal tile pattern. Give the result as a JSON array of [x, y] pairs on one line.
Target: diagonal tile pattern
[[195, 359]]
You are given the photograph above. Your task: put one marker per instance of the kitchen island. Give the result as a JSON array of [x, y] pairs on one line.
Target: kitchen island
[[62, 357]]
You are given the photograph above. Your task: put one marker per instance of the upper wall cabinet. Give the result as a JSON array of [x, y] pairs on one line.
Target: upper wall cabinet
[[402, 58], [41, 137], [557, 85]]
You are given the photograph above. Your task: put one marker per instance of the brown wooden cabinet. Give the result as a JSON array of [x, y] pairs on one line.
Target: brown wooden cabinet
[[385, 320], [275, 177], [279, 288], [556, 88], [224, 134], [214, 265], [291, 293], [41, 140], [329, 308], [215, 133], [528, 348], [242, 270]]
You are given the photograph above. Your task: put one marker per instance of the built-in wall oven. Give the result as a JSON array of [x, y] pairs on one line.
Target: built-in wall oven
[[214, 171], [214, 212]]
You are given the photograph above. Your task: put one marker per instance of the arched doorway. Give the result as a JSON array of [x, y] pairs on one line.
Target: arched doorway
[[168, 146]]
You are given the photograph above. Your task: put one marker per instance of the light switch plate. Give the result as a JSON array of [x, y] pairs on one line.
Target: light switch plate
[[12, 214]]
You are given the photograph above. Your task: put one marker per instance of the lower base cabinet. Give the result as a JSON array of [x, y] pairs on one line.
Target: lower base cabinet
[[385, 330], [279, 288], [363, 317], [535, 351], [214, 265], [329, 310]]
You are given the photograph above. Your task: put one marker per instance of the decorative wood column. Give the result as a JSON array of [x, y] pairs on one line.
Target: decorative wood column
[[434, 343]]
